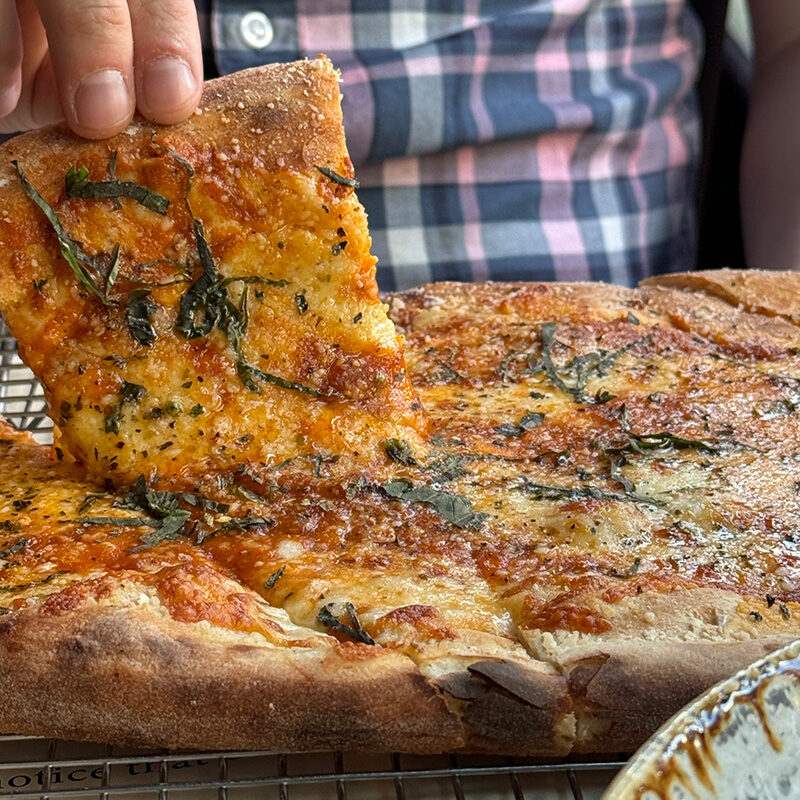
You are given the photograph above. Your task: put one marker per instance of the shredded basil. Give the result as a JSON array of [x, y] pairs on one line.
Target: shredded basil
[[337, 178], [399, 450], [171, 527], [601, 397], [614, 466], [139, 310], [80, 263], [452, 507], [247, 371], [206, 304], [531, 420], [447, 374], [353, 630], [128, 393], [20, 586], [645, 442], [580, 368], [245, 523], [627, 573], [446, 466], [77, 184], [89, 501], [566, 493], [119, 522], [274, 578], [14, 548], [247, 494], [163, 507]]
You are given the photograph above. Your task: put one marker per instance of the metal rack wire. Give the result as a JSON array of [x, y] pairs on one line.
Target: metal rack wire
[[33, 768], [21, 398], [43, 768]]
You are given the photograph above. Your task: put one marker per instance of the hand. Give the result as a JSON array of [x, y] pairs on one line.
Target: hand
[[93, 62]]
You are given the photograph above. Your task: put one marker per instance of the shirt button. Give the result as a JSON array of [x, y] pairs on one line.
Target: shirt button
[[256, 30]]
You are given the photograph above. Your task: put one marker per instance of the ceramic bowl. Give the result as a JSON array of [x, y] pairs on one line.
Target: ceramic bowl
[[738, 741]]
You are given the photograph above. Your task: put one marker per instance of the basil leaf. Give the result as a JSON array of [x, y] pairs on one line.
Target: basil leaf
[[530, 421], [139, 308], [580, 368], [20, 586], [78, 185], [128, 393], [452, 507], [353, 630], [628, 573], [399, 450], [543, 492], [337, 178], [246, 370], [274, 578], [171, 527], [70, 250], [14, 548], [119, 522]]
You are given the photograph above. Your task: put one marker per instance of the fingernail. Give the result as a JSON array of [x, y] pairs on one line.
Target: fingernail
[[102, 100], [9, 96], [167, 84]]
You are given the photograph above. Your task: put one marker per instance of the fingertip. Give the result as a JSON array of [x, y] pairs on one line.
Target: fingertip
[[10, 58], [9, 98], [102, 105], [168, 90], [99, 133]]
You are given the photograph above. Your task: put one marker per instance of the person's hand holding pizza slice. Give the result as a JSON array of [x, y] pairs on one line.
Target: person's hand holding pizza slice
[[94, 63]]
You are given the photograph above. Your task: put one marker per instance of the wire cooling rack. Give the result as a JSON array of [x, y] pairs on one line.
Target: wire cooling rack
[[21, 398], [43, 768], [46, 768]]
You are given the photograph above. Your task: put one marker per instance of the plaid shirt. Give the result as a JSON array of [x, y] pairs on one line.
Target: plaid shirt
[[501, 139]]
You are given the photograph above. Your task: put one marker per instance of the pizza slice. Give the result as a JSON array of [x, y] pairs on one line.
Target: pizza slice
[[202, 296]]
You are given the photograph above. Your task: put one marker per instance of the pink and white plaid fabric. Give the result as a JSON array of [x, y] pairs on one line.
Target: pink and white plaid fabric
[[556, 139]]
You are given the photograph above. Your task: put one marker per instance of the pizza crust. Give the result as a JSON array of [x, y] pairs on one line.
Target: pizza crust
[[773, 294], [138, 679], [129, 676], [623, 691], [625, 683]]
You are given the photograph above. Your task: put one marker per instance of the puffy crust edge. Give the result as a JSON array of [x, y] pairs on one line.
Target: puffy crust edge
[[623, 691], [136, 678], [133, 677], [773, 294], [289, 114]]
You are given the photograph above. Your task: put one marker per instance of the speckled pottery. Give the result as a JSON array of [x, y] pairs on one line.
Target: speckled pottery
[[738, 741]]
